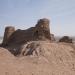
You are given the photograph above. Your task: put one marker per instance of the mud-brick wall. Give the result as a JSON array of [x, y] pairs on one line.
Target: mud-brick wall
[[8, 32]]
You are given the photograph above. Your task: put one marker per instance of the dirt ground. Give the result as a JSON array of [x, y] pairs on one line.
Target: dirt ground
[[54, 59]]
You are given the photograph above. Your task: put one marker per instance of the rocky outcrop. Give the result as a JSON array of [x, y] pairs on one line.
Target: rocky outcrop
[[66, 39]]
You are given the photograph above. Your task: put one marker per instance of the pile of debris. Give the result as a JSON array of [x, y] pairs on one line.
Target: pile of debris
[[66, 39]]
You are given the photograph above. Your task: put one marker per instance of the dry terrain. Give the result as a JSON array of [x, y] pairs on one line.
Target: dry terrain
[[46, 59]]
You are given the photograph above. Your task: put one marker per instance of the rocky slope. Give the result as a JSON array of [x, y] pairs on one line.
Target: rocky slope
[[39, 58]]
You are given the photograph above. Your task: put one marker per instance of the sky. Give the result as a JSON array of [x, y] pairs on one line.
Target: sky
[[23, 14]]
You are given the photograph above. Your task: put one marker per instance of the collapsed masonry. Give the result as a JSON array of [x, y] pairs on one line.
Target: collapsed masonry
[[25, 42], [41, 31], [66, 39]]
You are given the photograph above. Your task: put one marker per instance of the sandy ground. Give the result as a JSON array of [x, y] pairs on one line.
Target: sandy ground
[[55, 59]]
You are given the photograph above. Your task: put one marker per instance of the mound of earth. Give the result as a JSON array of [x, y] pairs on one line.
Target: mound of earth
[[5, 54], [39, 58]]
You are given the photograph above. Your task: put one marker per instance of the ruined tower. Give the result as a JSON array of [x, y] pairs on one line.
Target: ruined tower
[[42, 30], [8, 32]]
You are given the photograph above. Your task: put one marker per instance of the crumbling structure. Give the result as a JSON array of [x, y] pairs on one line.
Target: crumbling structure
[[8, 32], [41, 31], [66, 39]]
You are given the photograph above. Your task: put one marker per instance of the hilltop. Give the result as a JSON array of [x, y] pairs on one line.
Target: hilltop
[[35, 51]]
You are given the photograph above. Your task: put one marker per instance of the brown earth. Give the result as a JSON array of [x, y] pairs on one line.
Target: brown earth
[[45, 58]]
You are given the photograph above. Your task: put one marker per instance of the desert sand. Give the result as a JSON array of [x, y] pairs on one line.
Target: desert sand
[[46, 59]]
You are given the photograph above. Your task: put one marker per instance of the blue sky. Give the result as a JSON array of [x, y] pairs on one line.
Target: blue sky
[[24, 14]]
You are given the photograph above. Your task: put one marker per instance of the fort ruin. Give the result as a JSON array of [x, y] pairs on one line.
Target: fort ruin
[[41, 31]]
